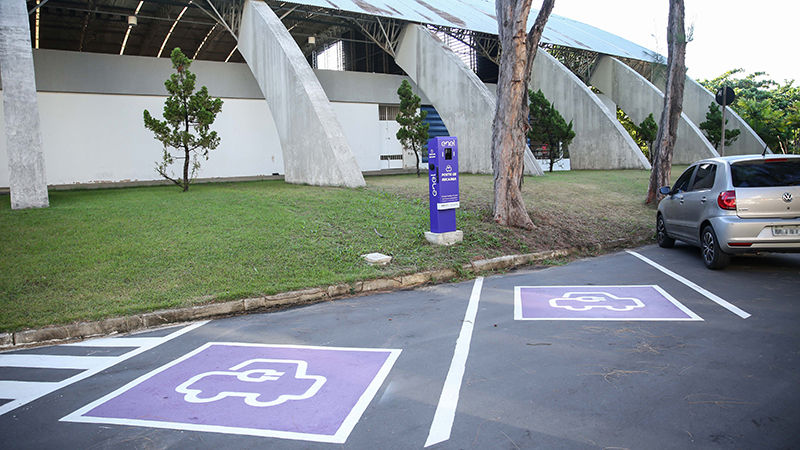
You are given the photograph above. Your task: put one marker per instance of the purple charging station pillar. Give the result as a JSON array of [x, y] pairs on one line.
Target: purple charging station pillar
[[443, 190]]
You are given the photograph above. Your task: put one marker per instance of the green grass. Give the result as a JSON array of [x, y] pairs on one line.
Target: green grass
[[102, 253]]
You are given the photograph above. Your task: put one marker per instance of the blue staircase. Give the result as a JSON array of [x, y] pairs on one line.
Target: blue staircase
[[436, 129]]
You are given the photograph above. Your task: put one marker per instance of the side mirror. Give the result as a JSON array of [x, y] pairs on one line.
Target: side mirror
[[665, 190]]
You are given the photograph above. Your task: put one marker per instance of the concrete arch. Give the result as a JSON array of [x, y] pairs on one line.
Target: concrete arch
[[696, 99], [315, 149], [600, 142], [639, 98], [465, 104], [695, 104]]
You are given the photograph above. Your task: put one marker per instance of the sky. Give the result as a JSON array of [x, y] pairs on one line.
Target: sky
[[757, 36]]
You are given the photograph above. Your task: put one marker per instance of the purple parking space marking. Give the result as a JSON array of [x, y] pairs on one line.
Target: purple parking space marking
[[626, 303], [308, 393]]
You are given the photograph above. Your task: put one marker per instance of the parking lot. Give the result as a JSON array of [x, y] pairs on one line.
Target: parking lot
[[644, 349]]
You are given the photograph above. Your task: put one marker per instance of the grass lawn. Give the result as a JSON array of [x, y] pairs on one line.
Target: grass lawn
[[102, 253]]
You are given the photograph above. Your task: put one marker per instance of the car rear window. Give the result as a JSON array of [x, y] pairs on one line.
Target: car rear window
[[766, 173]]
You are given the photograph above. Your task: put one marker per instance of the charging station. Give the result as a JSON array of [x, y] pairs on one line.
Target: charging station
[[443, 190]]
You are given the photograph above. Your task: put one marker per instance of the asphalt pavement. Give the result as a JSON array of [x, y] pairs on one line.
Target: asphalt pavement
[[641, 349]]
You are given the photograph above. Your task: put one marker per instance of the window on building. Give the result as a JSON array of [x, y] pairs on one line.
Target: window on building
[[389, 112]]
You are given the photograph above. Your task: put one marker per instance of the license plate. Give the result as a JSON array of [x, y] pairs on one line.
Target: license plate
[[786, 231]]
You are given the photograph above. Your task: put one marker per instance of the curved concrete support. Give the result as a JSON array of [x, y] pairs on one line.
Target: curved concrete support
[[696, 99], [465, 104], [26, 170], [639, 98], [600, 143], [315, 149]]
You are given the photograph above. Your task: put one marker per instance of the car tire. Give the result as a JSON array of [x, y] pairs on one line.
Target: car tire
[[713, 256], [662, 237]]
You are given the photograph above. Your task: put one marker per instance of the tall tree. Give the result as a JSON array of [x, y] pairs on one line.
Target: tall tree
[[413, 132], [510, 124], [184, 110], [548, 126], [673, 101], [712, 127]]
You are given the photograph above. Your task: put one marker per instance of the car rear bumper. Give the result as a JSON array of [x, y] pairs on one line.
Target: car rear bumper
[[734, 235]]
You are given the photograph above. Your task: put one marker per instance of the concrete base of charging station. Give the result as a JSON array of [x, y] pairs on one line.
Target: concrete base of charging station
[[449, 238]]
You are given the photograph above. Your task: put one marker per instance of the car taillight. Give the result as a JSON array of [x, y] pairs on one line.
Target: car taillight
[[727, 200]]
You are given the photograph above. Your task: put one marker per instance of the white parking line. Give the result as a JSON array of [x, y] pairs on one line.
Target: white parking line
[[23, 392], [59, 361], [446, 410], [714, 298]]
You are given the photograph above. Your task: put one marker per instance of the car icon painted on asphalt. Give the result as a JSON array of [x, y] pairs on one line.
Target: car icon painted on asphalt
[[584, 301], [260, 382]]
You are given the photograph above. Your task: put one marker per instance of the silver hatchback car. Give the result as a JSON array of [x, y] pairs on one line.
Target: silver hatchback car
[[733, 204]]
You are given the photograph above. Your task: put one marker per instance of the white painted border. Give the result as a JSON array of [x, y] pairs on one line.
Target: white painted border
[[709, 295], [445, 414], [338, 438], [692, 316]]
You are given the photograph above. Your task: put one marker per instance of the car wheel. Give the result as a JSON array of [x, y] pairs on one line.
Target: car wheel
[[713, 256], [661, 233]]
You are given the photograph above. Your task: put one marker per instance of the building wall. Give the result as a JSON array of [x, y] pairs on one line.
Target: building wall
[[92, 128], [364, 140], [94, 138]]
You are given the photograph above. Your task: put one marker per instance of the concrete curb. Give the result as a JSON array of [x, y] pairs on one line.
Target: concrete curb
[[84, 330]]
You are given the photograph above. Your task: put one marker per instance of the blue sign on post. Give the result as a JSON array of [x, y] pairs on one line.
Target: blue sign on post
[[443, 183]]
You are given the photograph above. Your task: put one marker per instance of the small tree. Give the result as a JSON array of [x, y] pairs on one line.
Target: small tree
[[547, 125], [413, 132], [183, 110], [647, 131], [643, 134], [712, 127]]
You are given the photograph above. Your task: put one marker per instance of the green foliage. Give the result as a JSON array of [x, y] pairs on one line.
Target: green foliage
[[413, 132], [643, 134], [712, 127], [631, 128], [548, 126], [648, 130], [764, 119], [770, 108], [184, 110]]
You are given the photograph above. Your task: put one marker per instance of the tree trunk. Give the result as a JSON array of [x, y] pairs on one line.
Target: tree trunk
[[673, 102], [186, 169], [416, 153], [511, 116]]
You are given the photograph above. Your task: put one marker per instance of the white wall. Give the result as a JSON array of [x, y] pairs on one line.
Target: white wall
[[360, 124], [90, 138], [92, 129]]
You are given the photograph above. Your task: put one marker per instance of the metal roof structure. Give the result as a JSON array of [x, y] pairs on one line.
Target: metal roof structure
[[207, 29], [479, 15]]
